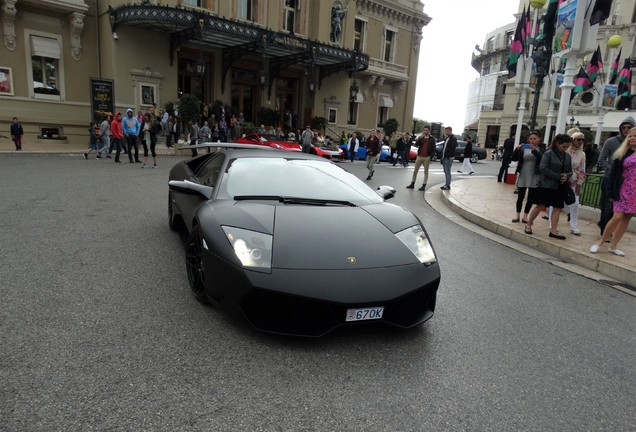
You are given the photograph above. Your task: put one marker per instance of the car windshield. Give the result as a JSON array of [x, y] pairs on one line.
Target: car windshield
[[288, 177]]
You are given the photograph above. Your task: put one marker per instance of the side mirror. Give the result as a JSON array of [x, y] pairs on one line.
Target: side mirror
[[190, 188], [386, 192]]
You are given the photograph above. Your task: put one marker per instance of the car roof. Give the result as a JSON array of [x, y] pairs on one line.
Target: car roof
[[269, 153]]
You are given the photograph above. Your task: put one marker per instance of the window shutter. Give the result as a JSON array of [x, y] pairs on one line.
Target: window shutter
[[45, 47]]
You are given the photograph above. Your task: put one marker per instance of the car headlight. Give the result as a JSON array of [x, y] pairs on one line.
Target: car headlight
[[415, 239], [252, 248]]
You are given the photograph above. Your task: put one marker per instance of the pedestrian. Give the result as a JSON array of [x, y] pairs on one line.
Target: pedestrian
[[400, 148], [223, 128], [194, 134], [352, 146], [261, 130], [578, 175], [448, 155], [104, 134], [393, 145], [508, 147], [216, 134], [236, 130], [164, 121], [16, 134], [528, 158], [605, 164], [241, 118], [280, 134], [426, 146], [623, 188], [93, 146], [150, 139], [170, 125], [373, 151], [343, 138], [468, 153], [118, 136], [306, 139], [556, 169], [205, 132], [131, 128]]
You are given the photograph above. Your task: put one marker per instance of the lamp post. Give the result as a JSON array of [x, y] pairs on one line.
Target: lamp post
[[572, 123], [262, 77], [414, 125], [541, 59], [353, 91]]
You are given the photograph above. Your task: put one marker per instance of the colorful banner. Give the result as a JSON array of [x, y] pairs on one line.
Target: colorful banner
[[563, 36], [609, 95], [558, 81]]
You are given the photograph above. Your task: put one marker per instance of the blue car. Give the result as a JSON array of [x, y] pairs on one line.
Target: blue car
[[361, 153]]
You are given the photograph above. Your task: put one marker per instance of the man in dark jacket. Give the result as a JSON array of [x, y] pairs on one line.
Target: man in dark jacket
[[373, 150], [467, 155], [448, 155], [425, 149], [508, 147], [16, 134], [605, 163], [400, 148]]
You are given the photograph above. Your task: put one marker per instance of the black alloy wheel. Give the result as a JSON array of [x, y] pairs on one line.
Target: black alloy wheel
[[194, 265], [474, 158]]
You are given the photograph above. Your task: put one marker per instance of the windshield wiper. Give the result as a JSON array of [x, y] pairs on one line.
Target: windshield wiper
[[315, 201], [294, 200]]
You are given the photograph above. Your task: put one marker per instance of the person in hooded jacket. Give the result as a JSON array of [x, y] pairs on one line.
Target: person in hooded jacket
[[604, 162], [130, 126]]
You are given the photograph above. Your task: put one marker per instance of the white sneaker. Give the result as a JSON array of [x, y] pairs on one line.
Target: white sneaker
[[616, 252], [575, 231], [594, 248]]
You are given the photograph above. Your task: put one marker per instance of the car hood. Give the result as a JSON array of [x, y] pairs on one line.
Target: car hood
[[352, 239]]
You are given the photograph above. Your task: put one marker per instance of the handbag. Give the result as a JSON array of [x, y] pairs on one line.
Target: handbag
[[567, 194]]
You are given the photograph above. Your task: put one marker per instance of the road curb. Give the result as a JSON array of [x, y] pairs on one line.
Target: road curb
[[584, 259]]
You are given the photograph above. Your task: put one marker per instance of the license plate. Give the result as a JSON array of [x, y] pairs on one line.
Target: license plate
[[364, 314]]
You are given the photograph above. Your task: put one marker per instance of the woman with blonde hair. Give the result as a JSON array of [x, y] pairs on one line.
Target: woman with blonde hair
[[623, 182]]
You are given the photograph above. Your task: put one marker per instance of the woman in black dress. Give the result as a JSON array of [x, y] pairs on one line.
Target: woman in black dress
[[555, 169]]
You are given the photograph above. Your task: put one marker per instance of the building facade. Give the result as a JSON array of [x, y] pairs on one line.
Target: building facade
[[301, 56], [622, 22]]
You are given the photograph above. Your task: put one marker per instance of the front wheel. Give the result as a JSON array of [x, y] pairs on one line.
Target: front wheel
[[194, 265], [474, 158]]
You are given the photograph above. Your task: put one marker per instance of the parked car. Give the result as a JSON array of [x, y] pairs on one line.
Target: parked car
[[269, 141], [259, 242], [478, 152], [326, 150], [385, 153]]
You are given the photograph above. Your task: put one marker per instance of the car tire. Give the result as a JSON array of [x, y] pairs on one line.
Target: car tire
[[194, 265], [171, 214], [474, 158]]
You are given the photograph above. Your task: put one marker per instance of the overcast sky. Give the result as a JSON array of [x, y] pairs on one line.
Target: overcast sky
[[444, 72]]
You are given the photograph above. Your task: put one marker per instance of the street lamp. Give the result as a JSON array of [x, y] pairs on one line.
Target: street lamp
[[572, 124], [262, 77], [311, 84], [414, 125], [353, 91]]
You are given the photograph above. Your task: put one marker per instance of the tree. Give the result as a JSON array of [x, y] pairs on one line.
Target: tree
[[267, 116], [318, 123], [419, 125], [248, 127], [390, 125], [189, 108]]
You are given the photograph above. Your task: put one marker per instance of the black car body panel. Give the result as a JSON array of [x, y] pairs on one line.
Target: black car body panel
[[316, 274], [461, 145]]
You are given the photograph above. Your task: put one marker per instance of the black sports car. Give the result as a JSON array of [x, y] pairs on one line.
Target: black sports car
[[261, 242]]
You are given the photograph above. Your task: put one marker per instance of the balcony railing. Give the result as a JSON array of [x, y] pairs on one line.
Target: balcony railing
[[381, 64], [493, 107]]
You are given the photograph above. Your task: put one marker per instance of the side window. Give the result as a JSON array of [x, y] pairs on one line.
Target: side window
[[210, 171]]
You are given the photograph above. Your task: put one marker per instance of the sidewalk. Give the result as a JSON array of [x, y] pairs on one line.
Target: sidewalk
[[491, 205], [7, 147]]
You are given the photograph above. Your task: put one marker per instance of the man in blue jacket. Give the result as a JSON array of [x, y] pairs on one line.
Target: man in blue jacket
[[130, 128], [16, 134]]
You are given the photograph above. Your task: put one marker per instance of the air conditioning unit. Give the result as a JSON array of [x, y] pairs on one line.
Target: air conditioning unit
[[616, 20]]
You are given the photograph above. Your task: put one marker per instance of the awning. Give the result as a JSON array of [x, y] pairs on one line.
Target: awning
[[359, 98], [386, 101], [45, 47], [611, 121]]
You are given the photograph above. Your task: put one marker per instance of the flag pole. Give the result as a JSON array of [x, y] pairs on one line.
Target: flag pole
[[525, 85], [613, 44], [567, 86]]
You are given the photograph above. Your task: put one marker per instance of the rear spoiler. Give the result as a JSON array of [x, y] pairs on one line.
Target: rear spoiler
[[226, 145]]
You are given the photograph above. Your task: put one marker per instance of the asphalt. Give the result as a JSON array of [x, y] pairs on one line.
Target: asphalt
[[487, 204]]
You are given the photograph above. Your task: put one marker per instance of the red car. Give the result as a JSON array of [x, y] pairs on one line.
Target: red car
[[269, 141], [326, 150]]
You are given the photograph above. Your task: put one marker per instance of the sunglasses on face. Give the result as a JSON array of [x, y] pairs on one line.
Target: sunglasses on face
[[578, 139], [626, 127]]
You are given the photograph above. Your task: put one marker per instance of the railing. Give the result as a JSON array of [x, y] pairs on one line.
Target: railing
[[493, 107], [591, 191]]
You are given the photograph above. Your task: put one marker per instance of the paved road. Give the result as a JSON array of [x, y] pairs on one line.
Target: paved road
[[99, 332]]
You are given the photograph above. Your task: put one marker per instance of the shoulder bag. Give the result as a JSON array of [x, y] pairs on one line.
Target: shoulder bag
[[566, 191]]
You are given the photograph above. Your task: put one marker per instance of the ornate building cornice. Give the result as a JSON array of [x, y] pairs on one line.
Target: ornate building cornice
[[394, 13], [8, 23]]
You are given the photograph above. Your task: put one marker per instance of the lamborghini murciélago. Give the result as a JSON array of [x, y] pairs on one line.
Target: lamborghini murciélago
[[297, 244]]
